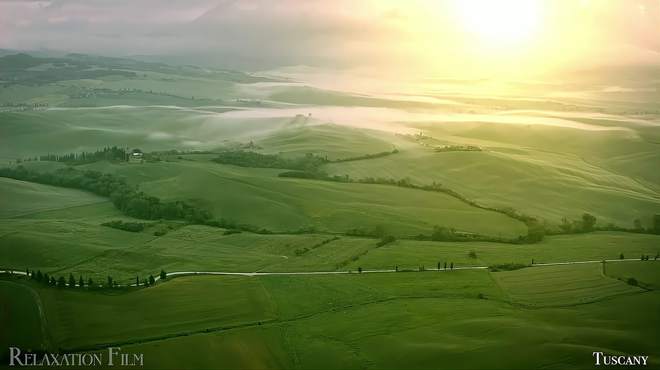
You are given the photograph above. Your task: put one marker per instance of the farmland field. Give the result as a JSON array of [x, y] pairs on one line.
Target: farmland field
[[208, 218]]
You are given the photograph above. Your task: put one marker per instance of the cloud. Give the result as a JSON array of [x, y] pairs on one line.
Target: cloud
[[256, 34]]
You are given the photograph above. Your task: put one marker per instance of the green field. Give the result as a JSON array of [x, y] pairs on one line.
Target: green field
[[560, 285], [235, 193], [561, 248], [24, 323], [20, 198], [550, 173], [424, 320], [341, 266], [647, 274]]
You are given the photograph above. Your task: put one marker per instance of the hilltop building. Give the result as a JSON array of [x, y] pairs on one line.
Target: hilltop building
[[136, 156]]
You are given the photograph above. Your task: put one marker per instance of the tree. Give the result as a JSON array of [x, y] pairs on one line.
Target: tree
[[152, 281], [137, 280], [110, 282], [396, 268], [535, 232], [565, 225], [656, 224], [52, 281], [451, 266], [61, 282], [81, 282], [40, 277], [588, 222], [472, 254], [632, 281], [445, 265], [621, 256], [72, 281], [438, 266], [163, 275], [637, 225], [27, 272], [360, 269], [90, 283]]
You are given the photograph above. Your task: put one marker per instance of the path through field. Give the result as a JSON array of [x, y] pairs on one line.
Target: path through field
[[293, 273]]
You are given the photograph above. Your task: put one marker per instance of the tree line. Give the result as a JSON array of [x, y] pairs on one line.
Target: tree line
[[128, 199], [308, 163], [71, 282], [245, 158], [535, 229], [134, 227], [109, 153]]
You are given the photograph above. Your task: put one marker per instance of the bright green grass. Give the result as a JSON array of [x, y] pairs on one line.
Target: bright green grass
[[293, 294], [197, 248], [21, 317], [169, 84], [72, 241], [182, 305], [234, 193], [560, 285], [428, 333], [647, 273], [329, 140], [528, 174], [561, 248], [20, 197], [149, 128], [411, 320], [51, 245], [249, 348]]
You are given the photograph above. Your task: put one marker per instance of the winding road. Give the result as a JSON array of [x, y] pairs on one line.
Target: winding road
[[294, 273]]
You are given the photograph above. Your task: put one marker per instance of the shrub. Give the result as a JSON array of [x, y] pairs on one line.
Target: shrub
[[134, 227], [632, 281], [506, 267]]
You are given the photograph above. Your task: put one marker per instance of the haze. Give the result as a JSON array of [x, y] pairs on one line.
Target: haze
[[466, 39]]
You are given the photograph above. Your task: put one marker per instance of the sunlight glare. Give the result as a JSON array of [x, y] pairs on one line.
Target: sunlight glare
[[500, 22]]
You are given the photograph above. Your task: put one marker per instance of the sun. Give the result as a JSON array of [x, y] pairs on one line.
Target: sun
[[500, 23]]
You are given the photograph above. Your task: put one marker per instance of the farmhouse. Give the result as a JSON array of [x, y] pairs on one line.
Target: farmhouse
[[136, 156]]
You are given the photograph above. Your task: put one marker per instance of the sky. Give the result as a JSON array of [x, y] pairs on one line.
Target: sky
[[468, 38]]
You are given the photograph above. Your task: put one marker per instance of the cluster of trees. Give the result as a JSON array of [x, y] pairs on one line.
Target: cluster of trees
[[536, 230], [646, 257], [244, 158], [588, 223], [126, 226], [458, 148], [440, 266], [125, 197], [61, 282], [108, 153], [584, 225], [449, 234], [377, 231], [302, 251], [506, 267], [653, 229], [387, 239], [233, 227], [71, 282], [366, 156]]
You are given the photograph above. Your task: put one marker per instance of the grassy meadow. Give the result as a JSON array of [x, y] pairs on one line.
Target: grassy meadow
[[509, 165]]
